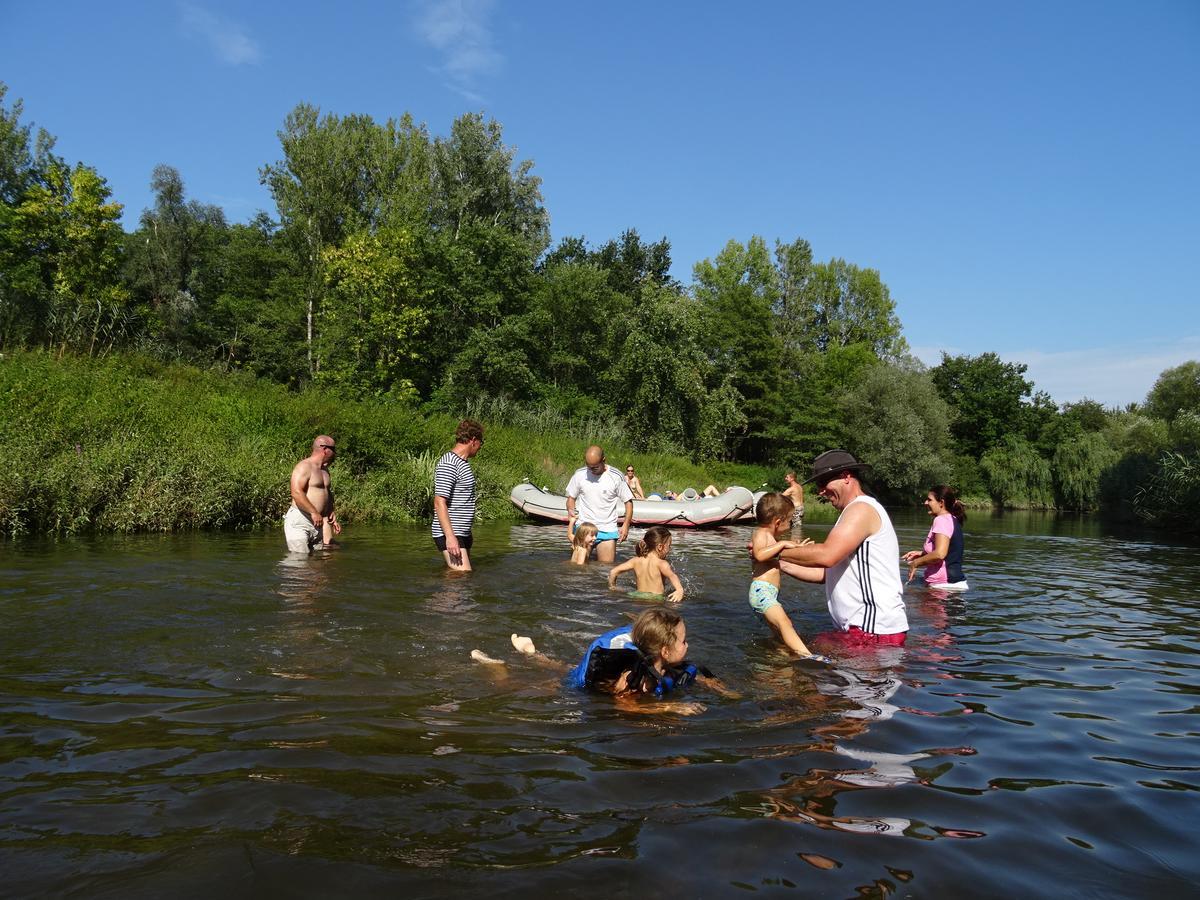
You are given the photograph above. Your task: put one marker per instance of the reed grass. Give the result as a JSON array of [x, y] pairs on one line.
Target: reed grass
[[128, 443]]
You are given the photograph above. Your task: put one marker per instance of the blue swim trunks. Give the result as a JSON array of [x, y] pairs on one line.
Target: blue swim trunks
[[763, 595], [602, 535]]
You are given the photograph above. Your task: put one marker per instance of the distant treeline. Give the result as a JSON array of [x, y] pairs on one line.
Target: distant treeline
[[411, 271]]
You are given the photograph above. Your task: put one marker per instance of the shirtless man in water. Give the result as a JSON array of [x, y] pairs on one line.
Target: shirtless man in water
[[312, 500], [795, 492]]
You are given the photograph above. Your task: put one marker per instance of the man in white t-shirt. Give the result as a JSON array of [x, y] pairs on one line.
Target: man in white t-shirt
[[600, 490], [859, 562]]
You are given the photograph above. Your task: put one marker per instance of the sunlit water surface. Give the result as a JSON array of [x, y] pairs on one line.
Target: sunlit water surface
[[198, 715]]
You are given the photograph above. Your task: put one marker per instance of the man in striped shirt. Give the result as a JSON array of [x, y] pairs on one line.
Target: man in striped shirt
[[454, 496]]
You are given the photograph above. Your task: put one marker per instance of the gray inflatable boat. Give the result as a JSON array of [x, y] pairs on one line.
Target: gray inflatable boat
[[736, 503]]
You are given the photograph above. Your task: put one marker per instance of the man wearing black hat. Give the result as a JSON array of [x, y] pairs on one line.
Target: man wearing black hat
[[859, 562]]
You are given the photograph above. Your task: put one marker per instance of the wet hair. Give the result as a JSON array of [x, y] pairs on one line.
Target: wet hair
[[468, 430], [654, 539], [771, 507], [948, 497], [582, 533], [654, 630]]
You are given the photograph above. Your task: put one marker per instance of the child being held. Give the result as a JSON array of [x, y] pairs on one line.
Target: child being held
[[581, 543], [774, 517], [651, 566]]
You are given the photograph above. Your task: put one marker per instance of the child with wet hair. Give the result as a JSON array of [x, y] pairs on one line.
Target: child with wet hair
[[774, 517], [647, 660], [581, 543], [650, 566]]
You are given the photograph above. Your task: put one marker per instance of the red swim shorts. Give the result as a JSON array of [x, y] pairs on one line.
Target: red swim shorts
[[856, 637]]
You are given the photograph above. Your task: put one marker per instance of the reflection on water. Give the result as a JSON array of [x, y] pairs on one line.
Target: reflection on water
[[203, 713]]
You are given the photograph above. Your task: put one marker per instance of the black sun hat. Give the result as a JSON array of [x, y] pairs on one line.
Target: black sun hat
[[833, 461]]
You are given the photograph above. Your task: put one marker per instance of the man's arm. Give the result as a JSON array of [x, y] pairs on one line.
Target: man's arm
[[299, 486], [441, 509], [570, 518], [856, 525], [628, 521], [811, 574]]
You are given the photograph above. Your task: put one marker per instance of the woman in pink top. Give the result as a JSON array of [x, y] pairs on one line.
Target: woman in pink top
[[943, 551]]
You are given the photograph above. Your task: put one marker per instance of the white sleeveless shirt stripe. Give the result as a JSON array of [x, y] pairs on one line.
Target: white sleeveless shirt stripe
[[864, 590]]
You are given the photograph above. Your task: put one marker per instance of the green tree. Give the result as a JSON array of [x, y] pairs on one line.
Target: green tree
[[572, 311], [257, 317], [657, 378], [895, 420], [1176, 390], [737, 292], [477, 180], [806, 420], [372, 337], [480, 280], [986, 395], [493, 363], [1078, 466], [70, 229], [173, 262], [325, 187], [25, 161], [839, 304], [794, 267], [1017, 475]]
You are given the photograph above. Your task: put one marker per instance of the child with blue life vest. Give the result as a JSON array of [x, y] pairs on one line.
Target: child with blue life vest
[[650, 566], [774, 516], [634, 663]]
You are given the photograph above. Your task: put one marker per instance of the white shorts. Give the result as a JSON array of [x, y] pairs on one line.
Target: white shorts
[[299, 532], [948, 586]]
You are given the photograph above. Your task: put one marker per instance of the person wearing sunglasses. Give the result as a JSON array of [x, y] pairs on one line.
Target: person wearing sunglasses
[[859, 561], [311, 512], [635, 483], [600, 491]]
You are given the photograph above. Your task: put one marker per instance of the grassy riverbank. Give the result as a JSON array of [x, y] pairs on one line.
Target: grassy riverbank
[[128, 443]]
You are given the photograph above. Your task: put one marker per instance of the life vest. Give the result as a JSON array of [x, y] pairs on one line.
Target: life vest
[[615, 652]]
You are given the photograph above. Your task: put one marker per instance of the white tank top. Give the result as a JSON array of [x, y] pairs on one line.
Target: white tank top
[[864, 590]]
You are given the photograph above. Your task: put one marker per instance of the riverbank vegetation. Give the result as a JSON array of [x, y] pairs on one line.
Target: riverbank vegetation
[[406, 278], [131, 443]]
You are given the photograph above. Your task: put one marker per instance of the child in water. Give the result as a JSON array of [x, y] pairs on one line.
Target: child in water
[[581, 543], [774, 517], [651, 566], [647, 659]]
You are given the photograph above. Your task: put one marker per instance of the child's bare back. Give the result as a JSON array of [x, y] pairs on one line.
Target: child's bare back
[[650, 566]]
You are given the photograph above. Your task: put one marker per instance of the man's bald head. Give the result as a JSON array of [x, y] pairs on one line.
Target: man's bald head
[[594, 455]]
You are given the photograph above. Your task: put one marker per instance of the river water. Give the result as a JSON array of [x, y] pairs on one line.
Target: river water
[[200, 715]]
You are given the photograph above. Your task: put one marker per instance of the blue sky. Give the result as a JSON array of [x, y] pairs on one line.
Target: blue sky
[[1023, 175]]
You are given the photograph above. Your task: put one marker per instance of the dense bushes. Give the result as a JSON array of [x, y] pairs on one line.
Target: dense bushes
[[127, 443]]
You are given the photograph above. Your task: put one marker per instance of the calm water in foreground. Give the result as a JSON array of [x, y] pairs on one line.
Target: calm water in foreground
[[198, 715]]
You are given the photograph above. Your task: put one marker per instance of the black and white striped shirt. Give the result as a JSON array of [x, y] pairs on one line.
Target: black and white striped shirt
[[454, 479]]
